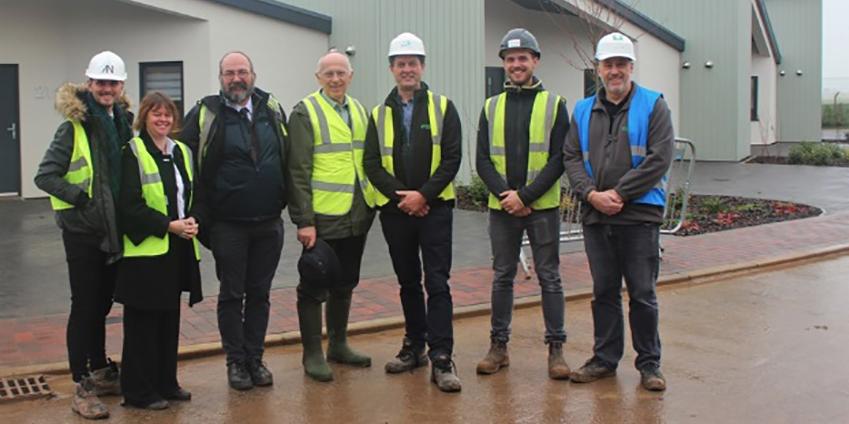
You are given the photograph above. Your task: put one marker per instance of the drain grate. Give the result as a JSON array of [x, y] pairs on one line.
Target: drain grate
[[27, 387]]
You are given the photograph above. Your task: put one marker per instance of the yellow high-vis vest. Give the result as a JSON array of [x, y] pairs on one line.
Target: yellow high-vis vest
[[80, 169], [153, 193], [382, 116], [542, 121], [337, 156]]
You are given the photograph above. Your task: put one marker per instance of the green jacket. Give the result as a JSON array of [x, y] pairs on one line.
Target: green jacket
[[299, 175]]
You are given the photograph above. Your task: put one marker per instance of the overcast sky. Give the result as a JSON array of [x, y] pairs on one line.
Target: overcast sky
[[835, 52]]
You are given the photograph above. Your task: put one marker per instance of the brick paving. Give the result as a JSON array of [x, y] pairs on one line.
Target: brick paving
[[41, 340]]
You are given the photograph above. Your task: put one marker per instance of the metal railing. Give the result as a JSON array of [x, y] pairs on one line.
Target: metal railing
[[680, 175]]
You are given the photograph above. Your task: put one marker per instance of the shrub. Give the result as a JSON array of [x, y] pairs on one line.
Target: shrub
[[819, 154], [475, 193], [713, 205]]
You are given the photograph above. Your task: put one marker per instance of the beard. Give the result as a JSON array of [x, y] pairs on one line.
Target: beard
[[237, 91]]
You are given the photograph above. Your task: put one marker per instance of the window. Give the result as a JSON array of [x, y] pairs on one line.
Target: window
[[494, 80], [166, 77], [590, 82], [753, 113]]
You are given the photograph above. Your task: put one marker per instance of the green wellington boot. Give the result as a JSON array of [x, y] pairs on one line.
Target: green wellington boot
[[338, 309], [309, 321]]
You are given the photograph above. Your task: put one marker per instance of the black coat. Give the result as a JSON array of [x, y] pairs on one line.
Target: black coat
[[420, 178], [155, 282]]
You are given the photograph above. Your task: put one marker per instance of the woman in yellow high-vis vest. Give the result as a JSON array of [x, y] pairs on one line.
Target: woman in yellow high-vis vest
[[160, 254]]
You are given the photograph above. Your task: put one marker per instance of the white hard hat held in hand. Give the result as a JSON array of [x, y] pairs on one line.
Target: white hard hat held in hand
[[615, 45], [106, 66], [406, 44]]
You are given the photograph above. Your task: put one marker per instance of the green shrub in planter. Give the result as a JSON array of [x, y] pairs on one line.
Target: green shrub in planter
[[820, 154]]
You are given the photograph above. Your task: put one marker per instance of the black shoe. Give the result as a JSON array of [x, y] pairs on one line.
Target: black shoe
[[409, 358], [260, 375], [180, 394], [652, 379], [443, 373], [592, 371], [238, 376]]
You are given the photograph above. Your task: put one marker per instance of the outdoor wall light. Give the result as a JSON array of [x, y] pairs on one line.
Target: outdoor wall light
[[350, 50], [709, 64], [799, 72], [686, 65], [782, 73]]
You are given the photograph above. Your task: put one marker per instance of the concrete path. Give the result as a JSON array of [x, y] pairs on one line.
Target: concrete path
[[767, 348]]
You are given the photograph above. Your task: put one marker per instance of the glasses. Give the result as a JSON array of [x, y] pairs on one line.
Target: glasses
[[330, 74], [241, 73], [103, 83]]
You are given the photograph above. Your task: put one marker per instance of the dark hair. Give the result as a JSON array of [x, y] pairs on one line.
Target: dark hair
[[153, 101], [392, 58]]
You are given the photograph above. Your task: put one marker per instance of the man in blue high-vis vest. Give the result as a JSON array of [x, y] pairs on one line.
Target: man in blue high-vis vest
[[616, 156]]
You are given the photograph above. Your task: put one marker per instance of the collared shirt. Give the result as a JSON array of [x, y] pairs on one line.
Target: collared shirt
[[238, 108], [169, 157], [340, 108]]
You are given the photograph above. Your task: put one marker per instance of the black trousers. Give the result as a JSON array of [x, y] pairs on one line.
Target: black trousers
[[92, 287], [246, 258], [149, 359], [350, 253], [407, 237]]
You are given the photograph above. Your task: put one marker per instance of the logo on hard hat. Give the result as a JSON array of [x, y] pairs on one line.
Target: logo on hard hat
[[514, 43], [108, 69], [406, 43], [618, 37]]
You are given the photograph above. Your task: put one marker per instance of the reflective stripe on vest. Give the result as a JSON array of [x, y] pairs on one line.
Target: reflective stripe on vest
[[153, 193], [539, 141], [206, 118], [337, 156], [639, 114], [382, 116], [80, 168]]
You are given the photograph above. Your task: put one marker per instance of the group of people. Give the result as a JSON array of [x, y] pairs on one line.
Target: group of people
[[133, 210]]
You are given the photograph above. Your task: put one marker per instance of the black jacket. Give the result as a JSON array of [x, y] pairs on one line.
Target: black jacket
[[232, 185], [155, 282], [610, 158], [517, 117], [94, 216], [428, 185]]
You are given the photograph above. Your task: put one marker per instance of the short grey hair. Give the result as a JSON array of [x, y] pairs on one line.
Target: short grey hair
[[330, 52], [239, 52]]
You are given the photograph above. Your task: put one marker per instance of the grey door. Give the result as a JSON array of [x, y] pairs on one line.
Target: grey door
[[494, 80], [10, 131]]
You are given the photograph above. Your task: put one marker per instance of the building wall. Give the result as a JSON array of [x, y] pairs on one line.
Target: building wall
[[62, 36], [798, 26], [715, 101], [764, 130], [452, 31]]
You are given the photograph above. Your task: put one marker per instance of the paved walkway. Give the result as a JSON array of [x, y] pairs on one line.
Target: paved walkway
[[27, 341]]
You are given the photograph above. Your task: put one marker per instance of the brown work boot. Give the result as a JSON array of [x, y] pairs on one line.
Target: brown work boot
[[652, 379], [558, 369], [107, 380], [591, 371], [85, 401], [495, 359]]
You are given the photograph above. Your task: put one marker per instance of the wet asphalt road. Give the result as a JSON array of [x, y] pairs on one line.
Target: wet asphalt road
[[763, 348]]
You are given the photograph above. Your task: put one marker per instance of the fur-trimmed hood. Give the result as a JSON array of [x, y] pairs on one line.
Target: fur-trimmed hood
[[70, 103]]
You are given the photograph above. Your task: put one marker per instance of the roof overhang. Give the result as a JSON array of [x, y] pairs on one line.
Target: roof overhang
[[769, 32], [617, 6], [283, 12]]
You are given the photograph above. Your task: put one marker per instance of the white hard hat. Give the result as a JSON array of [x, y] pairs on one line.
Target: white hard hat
[[106, 66], [406, 44], [615, 45]]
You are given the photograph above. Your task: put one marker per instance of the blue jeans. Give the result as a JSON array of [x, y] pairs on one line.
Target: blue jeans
[[629, 251], [505, 234]]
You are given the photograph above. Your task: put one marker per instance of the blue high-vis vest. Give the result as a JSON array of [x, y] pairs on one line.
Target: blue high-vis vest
[[639, 113]]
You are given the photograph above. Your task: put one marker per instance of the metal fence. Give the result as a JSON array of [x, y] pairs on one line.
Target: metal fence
[[679, 180]]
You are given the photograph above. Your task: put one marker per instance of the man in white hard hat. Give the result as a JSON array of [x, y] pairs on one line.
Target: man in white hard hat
[[520, 159], [617, 155], [241, 144], [81, 171], [330, 201], [412, 154]]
